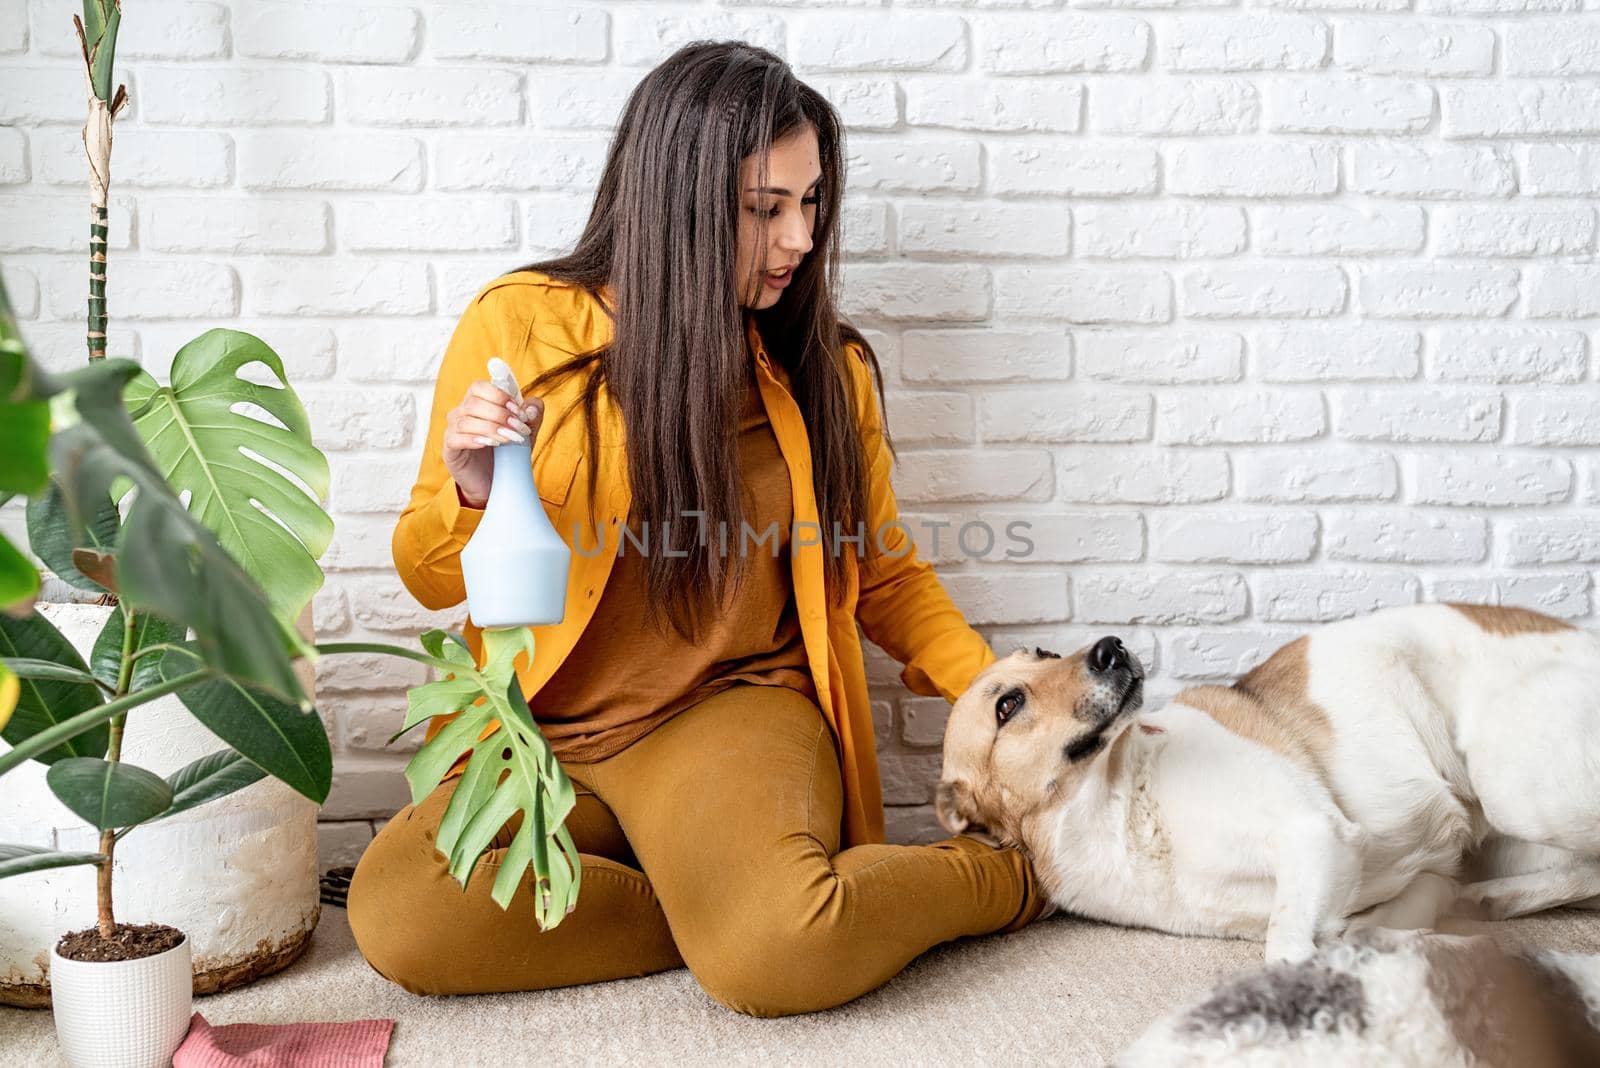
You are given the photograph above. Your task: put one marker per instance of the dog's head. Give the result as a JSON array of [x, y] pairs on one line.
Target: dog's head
[[1028, 729]]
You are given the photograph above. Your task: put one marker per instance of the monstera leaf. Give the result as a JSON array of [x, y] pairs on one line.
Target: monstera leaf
[[166, 562], [224, 458], [482, 803]]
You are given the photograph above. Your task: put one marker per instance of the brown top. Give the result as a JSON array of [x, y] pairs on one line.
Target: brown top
[[623, 678]]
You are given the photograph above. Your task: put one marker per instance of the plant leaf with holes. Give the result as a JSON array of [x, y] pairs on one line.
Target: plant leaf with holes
[[167, 562], [268, 523], [512, 771]]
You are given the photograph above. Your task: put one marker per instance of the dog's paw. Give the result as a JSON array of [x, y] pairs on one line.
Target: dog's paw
[[982, 836], [1289, 950], [1485, 901]]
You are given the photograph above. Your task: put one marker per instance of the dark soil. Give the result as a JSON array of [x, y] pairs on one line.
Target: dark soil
[[131, 941]]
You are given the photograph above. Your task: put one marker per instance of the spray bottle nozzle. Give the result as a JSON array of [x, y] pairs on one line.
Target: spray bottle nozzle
[[505, 379]]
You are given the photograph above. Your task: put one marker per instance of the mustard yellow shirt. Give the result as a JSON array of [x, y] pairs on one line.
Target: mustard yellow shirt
[[535, 322]]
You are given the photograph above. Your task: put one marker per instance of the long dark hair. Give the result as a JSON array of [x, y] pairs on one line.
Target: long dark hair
[[663, 236]]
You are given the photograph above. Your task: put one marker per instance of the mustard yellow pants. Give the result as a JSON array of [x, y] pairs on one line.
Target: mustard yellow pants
[[711, 842]]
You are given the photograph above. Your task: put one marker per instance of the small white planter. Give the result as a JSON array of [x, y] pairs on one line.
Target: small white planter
[[124, 1013]]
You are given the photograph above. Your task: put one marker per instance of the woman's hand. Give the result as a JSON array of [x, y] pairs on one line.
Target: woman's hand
[[485, 417]]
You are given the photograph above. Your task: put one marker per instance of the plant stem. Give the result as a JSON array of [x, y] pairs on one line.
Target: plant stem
[[108, 837], [106, 922], [158, 647], [76, 725], [97, 284], [332, 648]]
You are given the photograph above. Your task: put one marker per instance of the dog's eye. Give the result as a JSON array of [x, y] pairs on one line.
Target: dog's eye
[[1008, 704], [1045, 653]]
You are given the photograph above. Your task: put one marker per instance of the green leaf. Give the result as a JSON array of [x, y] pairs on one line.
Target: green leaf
[[217, 775], [455, 692], [19, 580], [45, 669], [266, 522], [148, 629], [24, 432], [167, 563], [103, 52], [513, 770], [24, 413], [24, 453], [423, 702], [108, 794], [289, 744], [21, 859], [51, 537], [435, 642], [45, 702], [94, 19]]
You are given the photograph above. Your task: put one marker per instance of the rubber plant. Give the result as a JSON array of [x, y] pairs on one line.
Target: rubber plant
[[171, 574]]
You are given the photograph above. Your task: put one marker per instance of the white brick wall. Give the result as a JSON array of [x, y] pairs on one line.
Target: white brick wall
[[1262, 314]]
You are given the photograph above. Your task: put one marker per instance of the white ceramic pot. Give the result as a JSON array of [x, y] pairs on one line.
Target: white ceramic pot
[[237, 875], [123, 1013]]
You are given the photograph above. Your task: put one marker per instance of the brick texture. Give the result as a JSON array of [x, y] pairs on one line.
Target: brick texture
[[1199, 326]]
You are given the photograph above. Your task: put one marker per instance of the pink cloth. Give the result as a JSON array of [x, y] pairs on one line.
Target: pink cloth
[[356, 1044]]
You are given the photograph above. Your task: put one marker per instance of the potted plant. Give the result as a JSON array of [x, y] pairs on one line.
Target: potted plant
[[193, 623], [171, 576], [250, 905]]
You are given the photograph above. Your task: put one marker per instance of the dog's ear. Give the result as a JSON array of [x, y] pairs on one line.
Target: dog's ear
[[953, 804]]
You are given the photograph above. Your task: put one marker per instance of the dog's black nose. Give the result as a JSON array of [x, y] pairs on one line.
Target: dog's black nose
[[1108, 653]]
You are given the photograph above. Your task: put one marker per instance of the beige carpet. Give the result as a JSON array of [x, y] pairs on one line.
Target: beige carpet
[[1063, 992]]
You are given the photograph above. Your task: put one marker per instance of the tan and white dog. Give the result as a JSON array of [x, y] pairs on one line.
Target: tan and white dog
[[1364, 775]]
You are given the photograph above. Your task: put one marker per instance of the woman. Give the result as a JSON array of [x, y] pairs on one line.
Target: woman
[[729, 814]]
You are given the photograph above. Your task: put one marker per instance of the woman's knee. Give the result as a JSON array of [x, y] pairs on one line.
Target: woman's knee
[[796, 969], [389, 899]]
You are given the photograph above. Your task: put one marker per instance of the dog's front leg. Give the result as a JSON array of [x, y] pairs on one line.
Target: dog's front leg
[[1318, 870]]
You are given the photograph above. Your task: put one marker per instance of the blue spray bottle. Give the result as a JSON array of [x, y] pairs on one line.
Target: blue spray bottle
[[515, 564]]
